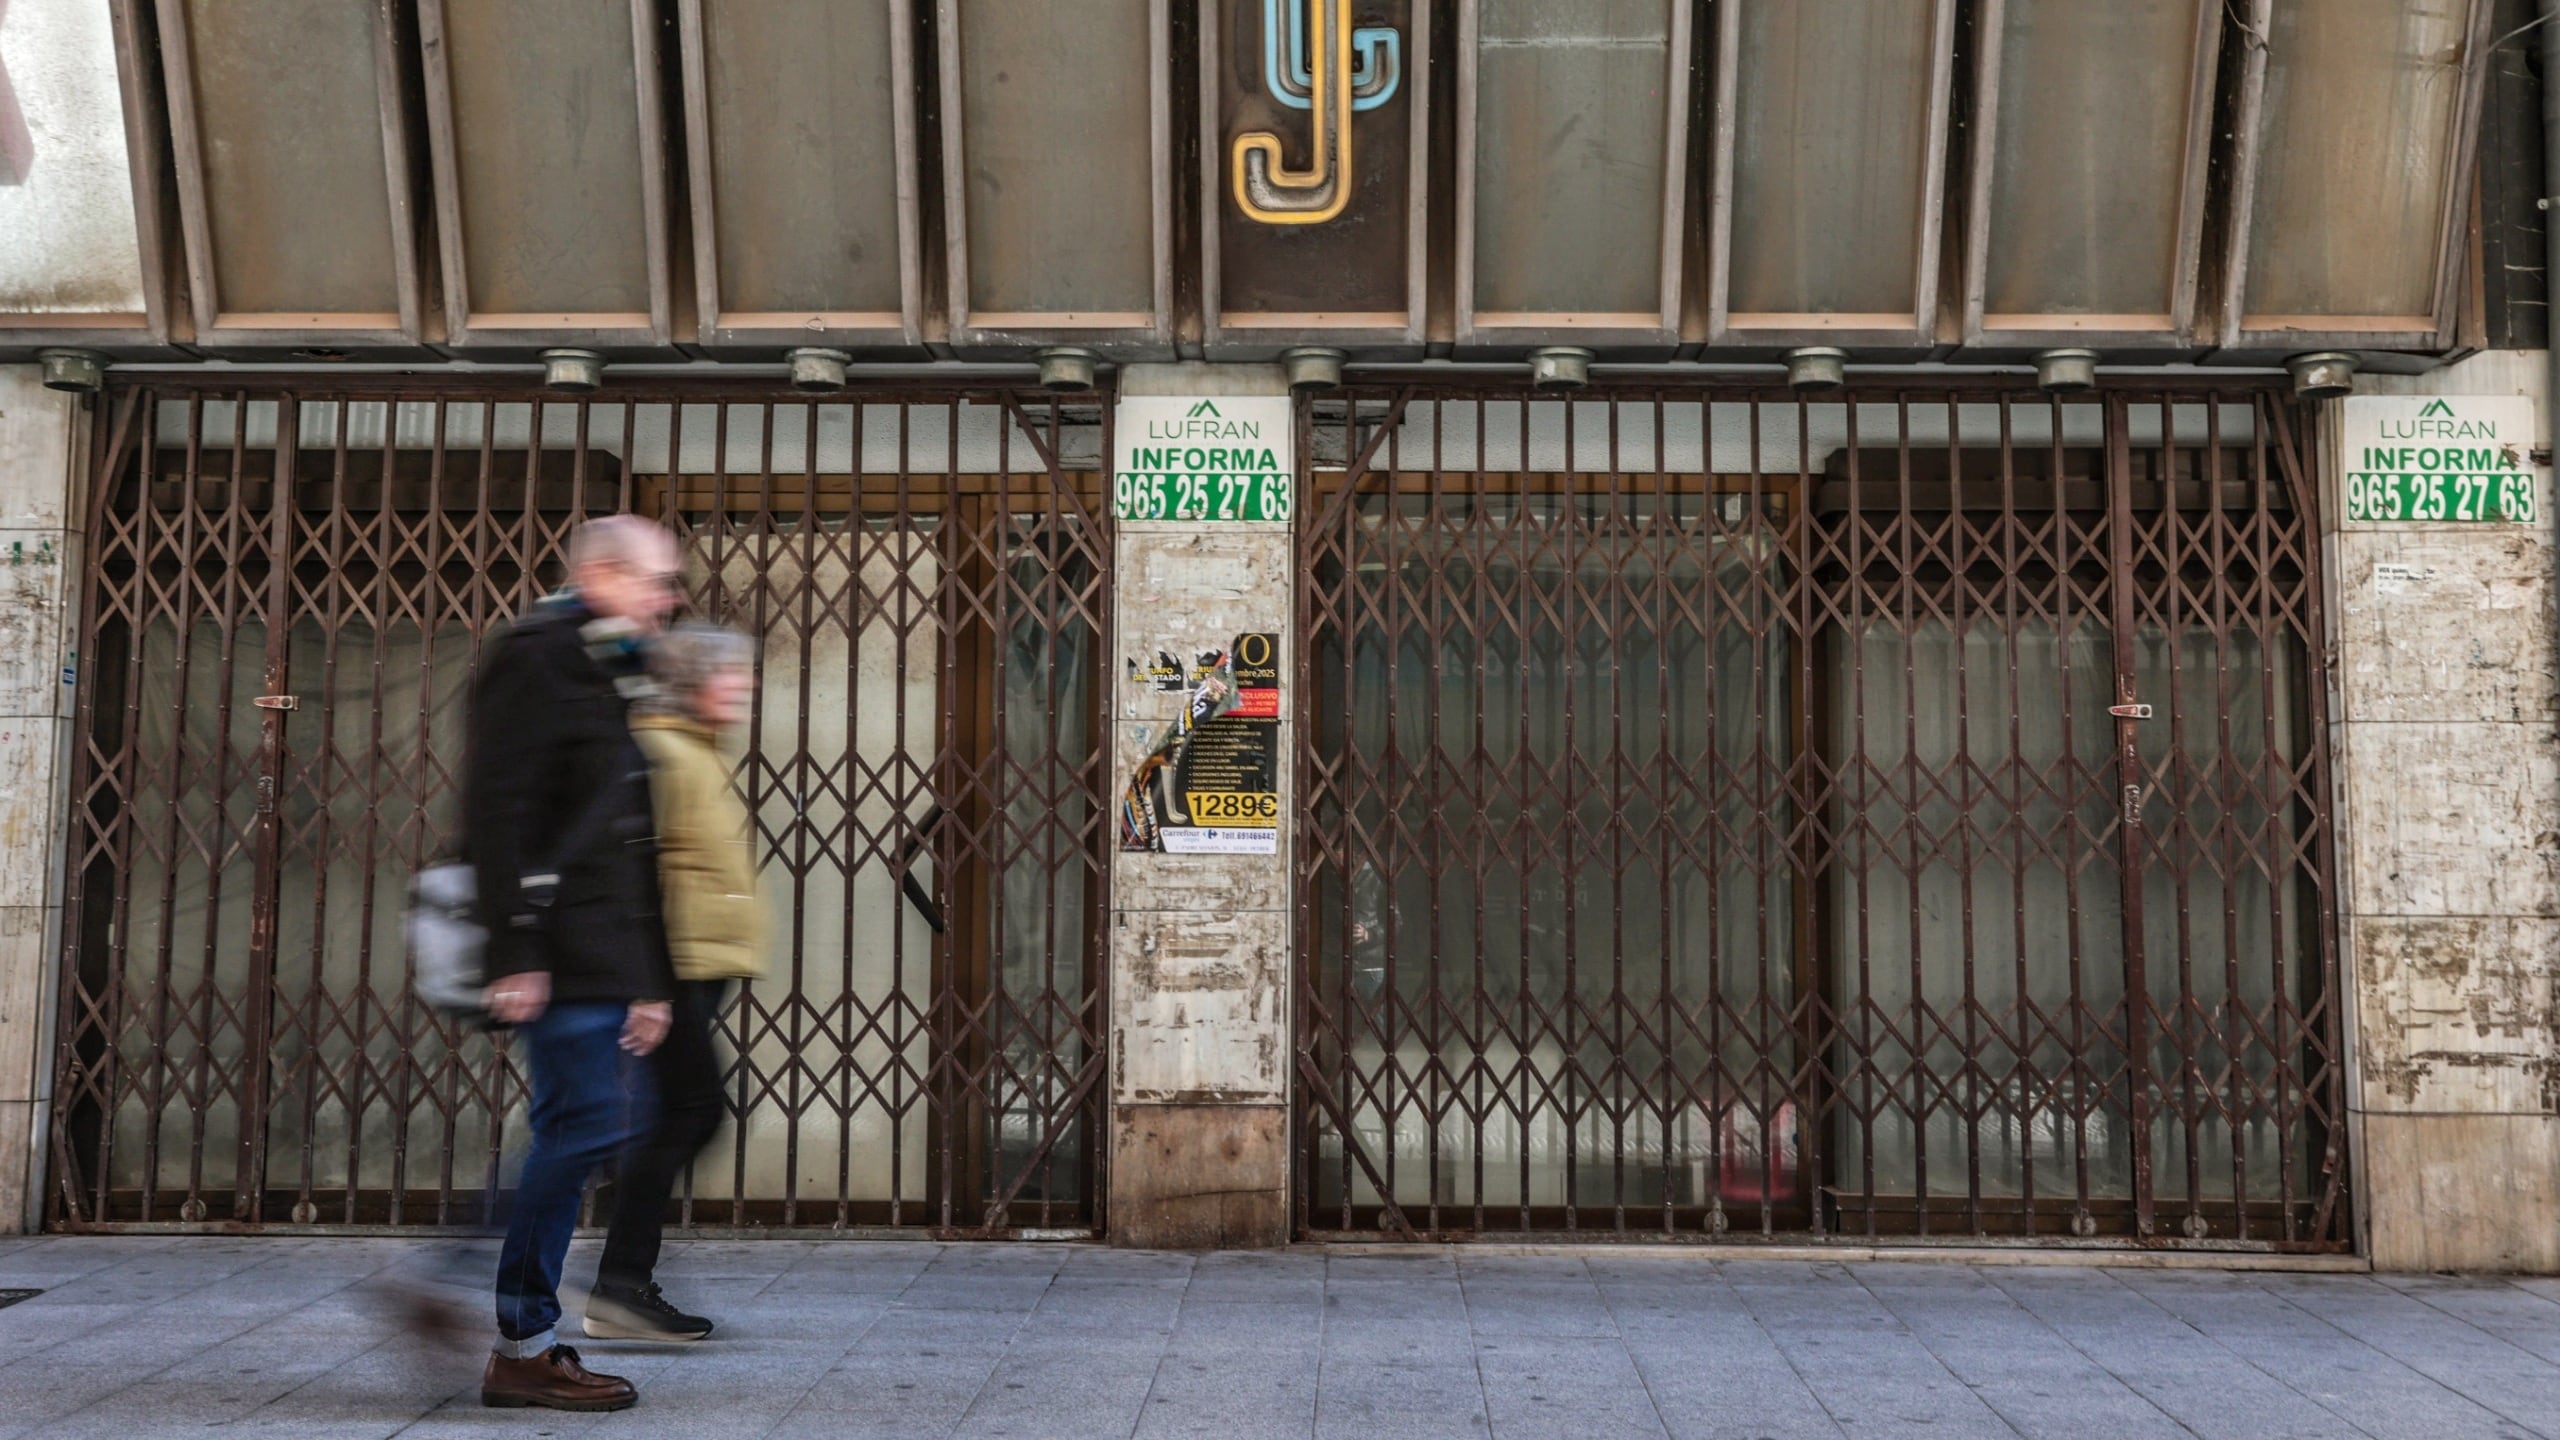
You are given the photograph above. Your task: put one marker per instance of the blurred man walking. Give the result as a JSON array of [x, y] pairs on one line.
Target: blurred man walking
[[557, 826]]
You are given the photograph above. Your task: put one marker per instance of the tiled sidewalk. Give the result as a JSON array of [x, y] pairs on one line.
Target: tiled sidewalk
[[138, 1337]]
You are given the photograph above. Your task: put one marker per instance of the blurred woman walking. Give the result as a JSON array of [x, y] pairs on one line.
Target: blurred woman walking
[[704, 680]]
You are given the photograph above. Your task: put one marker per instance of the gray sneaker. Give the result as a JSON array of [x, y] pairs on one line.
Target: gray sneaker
[[617, 1312]]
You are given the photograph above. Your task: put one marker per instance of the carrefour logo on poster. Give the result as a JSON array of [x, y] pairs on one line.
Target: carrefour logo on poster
[[2443, 458], [1205, 459]]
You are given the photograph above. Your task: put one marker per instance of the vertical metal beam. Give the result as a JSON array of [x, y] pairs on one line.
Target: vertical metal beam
[[2132, 852], [265, 838]]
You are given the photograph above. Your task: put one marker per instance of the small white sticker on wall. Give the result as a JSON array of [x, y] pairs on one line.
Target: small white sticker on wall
[[2390, 578]]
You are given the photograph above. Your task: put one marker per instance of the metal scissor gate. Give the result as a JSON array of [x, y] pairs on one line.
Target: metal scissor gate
[[271, 714], [1899, 813]]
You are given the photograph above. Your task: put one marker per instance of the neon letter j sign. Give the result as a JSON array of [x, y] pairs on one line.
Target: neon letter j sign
[[1266, 188]]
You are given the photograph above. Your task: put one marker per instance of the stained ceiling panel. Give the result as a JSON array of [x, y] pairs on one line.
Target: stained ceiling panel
[[800, 118], [550, 169]]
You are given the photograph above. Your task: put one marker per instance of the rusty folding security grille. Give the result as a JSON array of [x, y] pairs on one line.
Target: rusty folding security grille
[[269, 743], [1734, 815]]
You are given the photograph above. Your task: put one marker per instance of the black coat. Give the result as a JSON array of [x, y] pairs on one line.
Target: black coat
[[554, 785]]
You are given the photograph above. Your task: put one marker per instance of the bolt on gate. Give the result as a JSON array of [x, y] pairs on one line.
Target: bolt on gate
[[1899, 814], [268, 744]]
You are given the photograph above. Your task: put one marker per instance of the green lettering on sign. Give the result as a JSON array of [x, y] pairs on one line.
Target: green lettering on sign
[[1191, 495], [2444, 459], [2418, 495]]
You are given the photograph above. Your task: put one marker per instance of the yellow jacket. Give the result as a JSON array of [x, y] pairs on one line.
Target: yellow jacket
[[706, 854]]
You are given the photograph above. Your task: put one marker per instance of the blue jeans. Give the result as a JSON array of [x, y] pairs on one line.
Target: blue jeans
[[589, 1099]]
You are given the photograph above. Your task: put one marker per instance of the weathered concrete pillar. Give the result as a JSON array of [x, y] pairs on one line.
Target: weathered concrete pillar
[[2448, 745], [40, 451], [1199, 942]]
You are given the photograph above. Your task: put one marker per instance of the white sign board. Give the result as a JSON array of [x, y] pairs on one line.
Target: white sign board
[[1206, 458], [2450, 458]]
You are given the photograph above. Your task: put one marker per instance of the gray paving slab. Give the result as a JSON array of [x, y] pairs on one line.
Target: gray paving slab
[[129, 1272], [1126, 1266], [1257, 1385], [2512, 1312], [1869, 1372], [746, 1389], [2014, 1363], [2548, 1287], [2362, 1386], [827, 1274], [1543, 1387], [882, 1390], [380, 1393], [1553, 1310], [2516, 1384], [1417, 1305], [1053, 1386], [1127, 1309], [2189, 1376], [53, 1259], [1352, 1264], [1712, 1371], [217, 1387], [138, 1337], [1362, 1399]]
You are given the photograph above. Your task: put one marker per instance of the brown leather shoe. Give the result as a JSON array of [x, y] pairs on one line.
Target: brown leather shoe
[[553, 1380]]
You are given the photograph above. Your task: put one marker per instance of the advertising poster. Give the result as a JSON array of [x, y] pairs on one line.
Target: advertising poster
[[1211, 784]]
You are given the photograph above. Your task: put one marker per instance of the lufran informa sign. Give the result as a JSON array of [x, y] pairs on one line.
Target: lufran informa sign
[[2458, 459], [1230, 457]]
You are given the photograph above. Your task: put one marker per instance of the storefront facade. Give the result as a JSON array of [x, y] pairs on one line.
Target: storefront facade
[[1756, 738]]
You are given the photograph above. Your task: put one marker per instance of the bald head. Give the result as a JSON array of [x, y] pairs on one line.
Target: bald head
[[625, 567], [615, 539]]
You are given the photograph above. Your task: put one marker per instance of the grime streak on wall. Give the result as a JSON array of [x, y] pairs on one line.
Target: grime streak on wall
[[31, 603]]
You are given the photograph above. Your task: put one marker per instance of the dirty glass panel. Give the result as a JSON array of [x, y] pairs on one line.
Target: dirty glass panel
[[834, 1045], [1562, 944], [2355, 153], [361, 1075], [184, 994], [1976, 946], [1830, 156], [1572, 101], [546, 124], [1044, 908], [2089, 156], [2226, 914], [1059, 163], [68, 241], [799, 90], [289, 108], [1355, 263]]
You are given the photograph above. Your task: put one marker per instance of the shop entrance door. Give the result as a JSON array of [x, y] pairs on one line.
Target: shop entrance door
[[269, 743], [1900, 815]]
